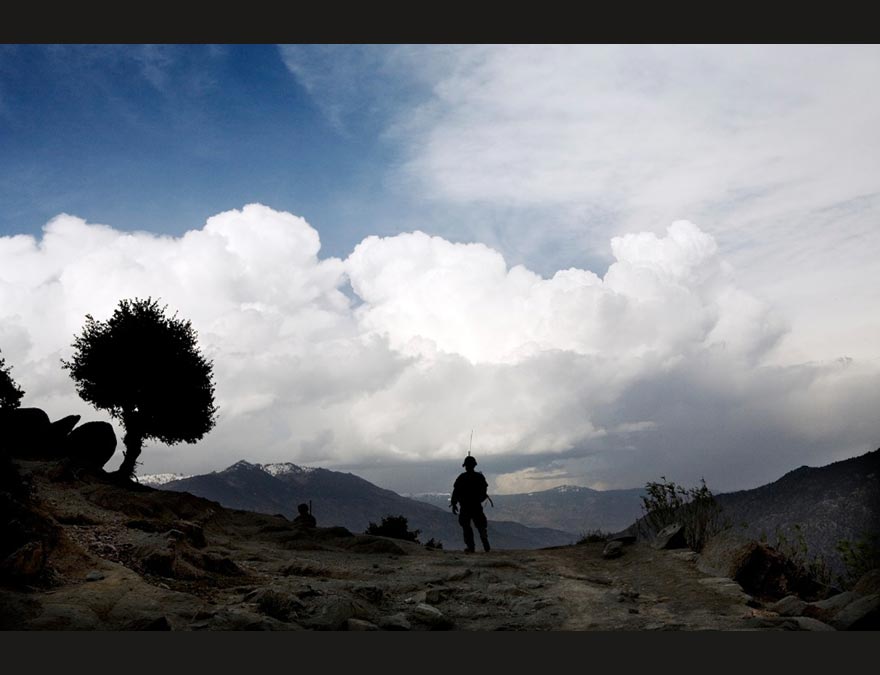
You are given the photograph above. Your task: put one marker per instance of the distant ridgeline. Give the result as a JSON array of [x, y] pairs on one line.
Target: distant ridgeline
[[567, 507], [812, 508], [347, 500]]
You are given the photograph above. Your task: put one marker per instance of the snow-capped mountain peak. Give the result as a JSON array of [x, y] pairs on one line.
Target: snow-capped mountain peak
[[154, 479], [284, 468]]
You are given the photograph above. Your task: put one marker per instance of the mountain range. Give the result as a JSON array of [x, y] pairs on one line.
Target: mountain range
[[812, 509], [567, 507], [345, 499]]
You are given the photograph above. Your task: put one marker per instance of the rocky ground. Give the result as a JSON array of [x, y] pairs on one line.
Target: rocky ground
[[138, 558]]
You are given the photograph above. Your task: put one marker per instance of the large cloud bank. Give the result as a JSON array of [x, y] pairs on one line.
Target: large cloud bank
[[548, 151], [656, 367]]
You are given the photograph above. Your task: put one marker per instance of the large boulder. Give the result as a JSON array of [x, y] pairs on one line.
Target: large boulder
[[58, 431], [671, 536], [861, 614], [25, 432], [91, 444], [868, 583], [790, 605], [768, 574]]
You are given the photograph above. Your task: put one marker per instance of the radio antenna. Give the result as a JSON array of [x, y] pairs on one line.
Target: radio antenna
[[471, 444]]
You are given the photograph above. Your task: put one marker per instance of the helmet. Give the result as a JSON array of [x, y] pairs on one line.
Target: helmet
[[469, 461]]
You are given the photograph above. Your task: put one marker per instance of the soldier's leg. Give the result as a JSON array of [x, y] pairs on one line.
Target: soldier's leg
[[464, 520], [483, 528]]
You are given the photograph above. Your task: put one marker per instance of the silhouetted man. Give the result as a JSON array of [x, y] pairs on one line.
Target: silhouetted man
[[470, 490], [305, 518]]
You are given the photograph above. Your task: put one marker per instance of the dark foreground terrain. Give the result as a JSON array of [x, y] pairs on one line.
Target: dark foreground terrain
[[106, 556]]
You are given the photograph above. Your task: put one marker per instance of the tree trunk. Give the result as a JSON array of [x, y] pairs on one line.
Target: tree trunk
[[133, 441]]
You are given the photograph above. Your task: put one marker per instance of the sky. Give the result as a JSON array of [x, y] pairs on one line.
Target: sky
[[608, 263]]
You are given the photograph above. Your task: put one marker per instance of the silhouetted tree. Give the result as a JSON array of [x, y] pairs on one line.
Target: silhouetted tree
[[10, 392], [395, 527], [145, 369]]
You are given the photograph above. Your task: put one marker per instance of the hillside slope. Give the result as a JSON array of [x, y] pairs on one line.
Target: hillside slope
[[824, 505]]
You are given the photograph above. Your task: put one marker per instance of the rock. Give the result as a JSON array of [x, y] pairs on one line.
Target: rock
[[532, 584], [416, 598], [91, 444], [24, 564], [195, 534], [337, 611], [95, 575], [58, 432], [727, 587], [671, 536], [861, 614], [360, 625], [277, 604], [613, 549], [435, 596], [175, 535], [164, 563], [505, 590], [790, 605], [627, 596], [372, 594], [827, 609], [395, 622], [56, 617], [300, 570], [868, 583], [766, 573], [459, 576], [26, 432], [431, 616], [177, 560], [806, 623], [236, 619], [187, 532]]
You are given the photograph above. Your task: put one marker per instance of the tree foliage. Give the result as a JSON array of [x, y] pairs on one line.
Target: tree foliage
[[10, 392], [394, 527], [145, 369]]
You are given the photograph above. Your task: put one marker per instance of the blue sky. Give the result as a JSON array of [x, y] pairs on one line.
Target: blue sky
[[161, 137], [612, 262]]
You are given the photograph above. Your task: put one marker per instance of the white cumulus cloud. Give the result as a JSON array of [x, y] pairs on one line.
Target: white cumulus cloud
[[659, 365]]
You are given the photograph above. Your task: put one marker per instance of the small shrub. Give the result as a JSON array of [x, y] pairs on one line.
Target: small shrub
[[794, 548], [394, 527], [593, 536], [433, 545], [696, 509], [859, 557]]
